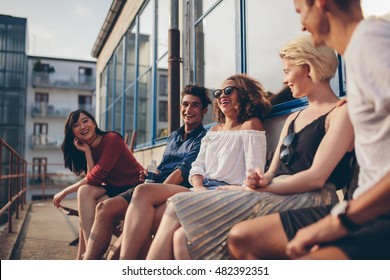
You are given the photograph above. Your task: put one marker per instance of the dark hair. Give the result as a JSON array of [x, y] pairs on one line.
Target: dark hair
[[282, 96], [252, 99], [198, 91], [74, 159]]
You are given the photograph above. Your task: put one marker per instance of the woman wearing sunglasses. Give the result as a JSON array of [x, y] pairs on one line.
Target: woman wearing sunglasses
[[303, 171], [235, 143]]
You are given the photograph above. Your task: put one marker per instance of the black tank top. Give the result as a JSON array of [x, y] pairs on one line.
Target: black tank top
[[305, 146]]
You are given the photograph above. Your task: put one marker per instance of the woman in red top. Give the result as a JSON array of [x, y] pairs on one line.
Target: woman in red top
[[104, 157]]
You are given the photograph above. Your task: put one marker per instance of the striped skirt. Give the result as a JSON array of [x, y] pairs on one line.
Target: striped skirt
[[208, 216]]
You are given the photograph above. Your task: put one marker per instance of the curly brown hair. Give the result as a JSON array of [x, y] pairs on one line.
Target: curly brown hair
[[252, 99]]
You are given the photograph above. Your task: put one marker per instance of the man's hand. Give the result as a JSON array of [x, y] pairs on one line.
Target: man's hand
[[307, 239]]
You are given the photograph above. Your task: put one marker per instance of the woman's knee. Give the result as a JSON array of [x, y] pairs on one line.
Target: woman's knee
[[86, 192], [180, 244]]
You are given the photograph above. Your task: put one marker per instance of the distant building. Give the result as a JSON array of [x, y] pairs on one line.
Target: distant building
[[13, 69], [55, 88]]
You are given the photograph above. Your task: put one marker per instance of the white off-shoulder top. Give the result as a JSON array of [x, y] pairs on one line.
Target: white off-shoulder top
[[226, 155]]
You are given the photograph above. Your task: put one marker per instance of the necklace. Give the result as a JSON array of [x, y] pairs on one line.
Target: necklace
[[93, 140]]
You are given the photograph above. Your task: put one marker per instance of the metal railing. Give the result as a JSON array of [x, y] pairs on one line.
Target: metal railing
[[13, 170]]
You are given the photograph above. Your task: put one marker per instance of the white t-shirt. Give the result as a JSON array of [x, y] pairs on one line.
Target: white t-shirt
[[226, 155], [368, 87]]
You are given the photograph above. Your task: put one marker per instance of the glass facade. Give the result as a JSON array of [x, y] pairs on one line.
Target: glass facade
[[219, 38], [13, 68]]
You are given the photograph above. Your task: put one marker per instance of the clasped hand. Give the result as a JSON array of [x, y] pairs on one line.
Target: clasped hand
[[255, 179]]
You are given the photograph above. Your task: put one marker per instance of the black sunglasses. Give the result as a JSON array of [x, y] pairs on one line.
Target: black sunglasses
[[287, 153], [227, 90]]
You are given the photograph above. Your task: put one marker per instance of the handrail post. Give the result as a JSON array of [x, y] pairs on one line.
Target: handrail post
[[10, 194]]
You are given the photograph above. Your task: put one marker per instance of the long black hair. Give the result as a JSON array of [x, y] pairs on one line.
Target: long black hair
[[74, 159]]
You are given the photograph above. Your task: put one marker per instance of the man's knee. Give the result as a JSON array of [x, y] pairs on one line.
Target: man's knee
[[142, 191], [237, 241], [105, 211]]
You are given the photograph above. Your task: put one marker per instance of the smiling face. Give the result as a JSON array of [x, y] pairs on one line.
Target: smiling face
[[84, 129], [313, 20], [296, 78], [228, 103], [192, 111]]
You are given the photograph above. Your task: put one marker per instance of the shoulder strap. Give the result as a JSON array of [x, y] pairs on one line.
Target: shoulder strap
[[291, 125]]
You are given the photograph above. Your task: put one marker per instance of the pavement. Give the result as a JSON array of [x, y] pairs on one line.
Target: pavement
[[42, 232]]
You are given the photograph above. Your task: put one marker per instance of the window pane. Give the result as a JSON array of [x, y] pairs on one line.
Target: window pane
[[130, 57], [163, 15], [118, 89], [263, 46], [203, 6], [144, 109], [145, 39], [102, 98], [215, 46], [215, 49], [129, 119]]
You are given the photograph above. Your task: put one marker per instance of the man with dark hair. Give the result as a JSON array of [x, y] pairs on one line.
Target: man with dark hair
[[359, 228], [181, 150]]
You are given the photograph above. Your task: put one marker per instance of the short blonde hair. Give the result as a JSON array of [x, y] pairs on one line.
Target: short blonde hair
[[321, 60]]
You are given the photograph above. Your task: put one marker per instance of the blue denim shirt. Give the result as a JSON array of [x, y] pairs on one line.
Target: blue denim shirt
[[179, 153]]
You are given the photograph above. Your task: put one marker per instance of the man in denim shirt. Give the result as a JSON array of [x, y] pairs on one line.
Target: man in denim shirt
[[181, 150]]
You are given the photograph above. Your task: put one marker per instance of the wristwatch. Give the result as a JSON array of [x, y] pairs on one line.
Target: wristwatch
[[339, 211]]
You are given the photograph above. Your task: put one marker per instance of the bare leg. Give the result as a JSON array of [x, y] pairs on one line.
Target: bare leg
[[113, 253], [81, 248], [87, 198], [107, 212], [140, 217], [162, 245], [260, 238], [180, 249]]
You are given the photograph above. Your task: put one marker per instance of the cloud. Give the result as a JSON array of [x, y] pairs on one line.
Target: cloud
[[82, 11]]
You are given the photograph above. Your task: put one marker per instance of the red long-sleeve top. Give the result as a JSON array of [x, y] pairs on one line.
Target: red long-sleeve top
[[115, 165]]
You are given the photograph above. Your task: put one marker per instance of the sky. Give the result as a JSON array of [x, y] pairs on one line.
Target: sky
[[69, 28], [60, 28]]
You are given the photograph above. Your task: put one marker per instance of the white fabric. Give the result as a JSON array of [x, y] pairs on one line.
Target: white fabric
[[226, 155], [368, 87]]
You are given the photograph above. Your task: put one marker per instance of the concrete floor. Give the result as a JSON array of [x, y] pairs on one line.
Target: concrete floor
[[42, 232]]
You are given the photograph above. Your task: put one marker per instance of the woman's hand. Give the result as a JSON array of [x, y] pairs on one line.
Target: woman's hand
[[199, 188], [58, 197], [256, 179], [81, 146]]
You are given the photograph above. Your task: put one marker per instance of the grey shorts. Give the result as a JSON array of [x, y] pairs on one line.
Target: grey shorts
[[114, 191], [371, 242]]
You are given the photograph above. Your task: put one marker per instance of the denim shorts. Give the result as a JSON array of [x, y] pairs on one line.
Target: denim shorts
[[211, 184]]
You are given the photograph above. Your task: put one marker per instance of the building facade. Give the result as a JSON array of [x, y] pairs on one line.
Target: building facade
[[55, 87], [218, 38], [13, 69]]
